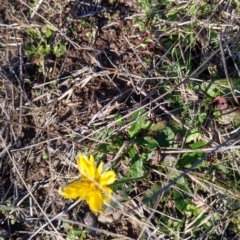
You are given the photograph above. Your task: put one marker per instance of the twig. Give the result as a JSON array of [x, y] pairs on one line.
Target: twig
[[23, 182], [51, 133], [139, 59], [178, 120], [206, 150], [234, 62], [225, 69], [54, 218], [21, 90], [194, 165], [36, 8]]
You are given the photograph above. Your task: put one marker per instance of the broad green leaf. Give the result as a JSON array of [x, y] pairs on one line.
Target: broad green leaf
[[198, 144], [137, 114], [202, 117], [181, 198], [172, 15], [138, 122], [146, 156], [210, 89], [111, 148], [132, 152], [147, 125], [193, 10], [221, 87], [158, 127], [137, 169], [192, 210], [118, 140], [193, 136], [166, 137], [150, 192], [223, 169], [150, 143], [189, 159]]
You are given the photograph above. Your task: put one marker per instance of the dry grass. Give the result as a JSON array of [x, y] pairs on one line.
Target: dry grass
[[134, 84]]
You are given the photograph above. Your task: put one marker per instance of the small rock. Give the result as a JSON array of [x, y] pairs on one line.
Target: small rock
[[105, 218], [117, 214], [91, 221]]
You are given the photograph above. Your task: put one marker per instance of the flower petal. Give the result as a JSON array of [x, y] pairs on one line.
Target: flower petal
[[87, 167], [93, 167], [107, 190], [100, 169], [75, 190], [107, 178], [95, 201], [82, 162], [107, 194]]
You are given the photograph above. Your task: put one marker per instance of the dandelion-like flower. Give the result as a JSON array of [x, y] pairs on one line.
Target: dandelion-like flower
[[93, 185]]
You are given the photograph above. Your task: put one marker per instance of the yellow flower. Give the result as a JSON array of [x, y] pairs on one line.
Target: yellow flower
[[93, 184]]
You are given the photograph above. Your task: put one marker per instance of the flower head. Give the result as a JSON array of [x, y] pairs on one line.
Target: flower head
[[93, 185]]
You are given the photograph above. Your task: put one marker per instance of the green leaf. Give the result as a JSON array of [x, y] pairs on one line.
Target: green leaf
[[149, 143], [192, 210], [166, 137], [139, 122], [59, 50], [198, 144], [228, 116], [147, 156], [172, 15], [193, 136], [137, 169], [125, 180], [181, 198], [111, 148], [193, 10], [118, 119], [158, 127], [13, 221], [150, 192], [45, 155], [223, 169], [132, 152], [102, 147], [147, 125], [202, 117], [221, 87], [190, 158], [210, 89], [118, 140], [69, 20], [137, 114], [47, 31]]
